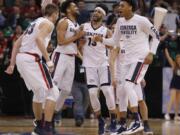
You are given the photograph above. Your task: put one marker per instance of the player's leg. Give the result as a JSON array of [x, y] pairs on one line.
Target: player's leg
[[133, 77], [49, 108], [78, 104], [51, 96], [93, 88], [63, 77], [31, 73], [170, 103], [107, 89], [143, 109], [176, 117], [122, 97]]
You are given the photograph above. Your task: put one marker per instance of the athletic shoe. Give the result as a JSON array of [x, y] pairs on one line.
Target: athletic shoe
[[122, 129], [37, 131], [79, 122], [147, 130], [177, 118], [167, 117], [112, 127], [134, 128], [101, 130], [35, 123]]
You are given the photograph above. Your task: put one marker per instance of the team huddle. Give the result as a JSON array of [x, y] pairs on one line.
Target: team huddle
[[51, 81]]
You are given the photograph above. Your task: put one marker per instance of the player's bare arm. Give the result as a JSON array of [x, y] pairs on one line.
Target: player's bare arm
[[61, 31], [15, 50], [44, 30], [109, 35], [113, 55], [170, 60], [81, 42], [113, 41]]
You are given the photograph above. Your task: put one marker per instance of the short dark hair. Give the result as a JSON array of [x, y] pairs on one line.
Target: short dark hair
[[104, 7], [66, 4], [50, 9], [132, 3], [115, 5]]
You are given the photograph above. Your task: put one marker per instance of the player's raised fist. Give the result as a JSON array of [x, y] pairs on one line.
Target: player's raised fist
[[97, 38], [50, 65]]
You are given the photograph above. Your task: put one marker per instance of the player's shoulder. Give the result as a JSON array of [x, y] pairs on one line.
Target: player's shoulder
[[63, 21], [140, 18], [44, 21], [120, 19], [87, 23]]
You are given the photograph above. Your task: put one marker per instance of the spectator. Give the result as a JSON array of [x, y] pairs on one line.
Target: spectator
[[114, 15], [2, 19], [80, 93], [84, 14], [17, 33], [3, 46], [174, 86]]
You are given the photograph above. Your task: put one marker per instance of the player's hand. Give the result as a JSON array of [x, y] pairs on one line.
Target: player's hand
[[149, 58], [80, 34], [50, 65], [143, 83], [97, 38], [10, 70]]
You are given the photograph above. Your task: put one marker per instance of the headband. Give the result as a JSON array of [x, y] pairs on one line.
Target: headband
[[101, 9]]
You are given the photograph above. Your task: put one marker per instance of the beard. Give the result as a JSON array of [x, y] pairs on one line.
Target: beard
[[96, 19]]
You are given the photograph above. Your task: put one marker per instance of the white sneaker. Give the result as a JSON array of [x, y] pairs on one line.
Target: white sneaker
[[135, 128], [177, 118], [167, 117]]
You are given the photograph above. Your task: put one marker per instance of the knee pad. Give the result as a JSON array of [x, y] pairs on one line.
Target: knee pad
[[129, 87], [39, 95], [139, 92], [122, 98], [63, 94], [109, 95], [93, 94], [52, 94]]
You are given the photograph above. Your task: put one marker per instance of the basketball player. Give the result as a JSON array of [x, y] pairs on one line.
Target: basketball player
[[134, 31], [64, 54], [116, 56], [95, 61], [27, 53]]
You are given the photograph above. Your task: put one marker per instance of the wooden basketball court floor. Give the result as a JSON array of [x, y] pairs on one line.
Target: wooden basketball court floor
[[20, 125]]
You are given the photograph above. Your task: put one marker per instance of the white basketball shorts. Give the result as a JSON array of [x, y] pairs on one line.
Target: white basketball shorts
[[63, 74], [98, 76]]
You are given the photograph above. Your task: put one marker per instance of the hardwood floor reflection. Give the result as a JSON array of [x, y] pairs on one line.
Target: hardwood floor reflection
[[20, 125]]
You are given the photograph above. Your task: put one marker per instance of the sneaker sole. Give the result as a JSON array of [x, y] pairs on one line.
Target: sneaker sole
[[135, 131]]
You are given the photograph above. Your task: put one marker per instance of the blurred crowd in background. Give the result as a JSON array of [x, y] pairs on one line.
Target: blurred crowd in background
[[15, 16]]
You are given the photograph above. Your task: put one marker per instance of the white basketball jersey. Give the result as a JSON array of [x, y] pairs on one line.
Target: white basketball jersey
[[134, 35], [95, 54], [71, 48], [29, 38]]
